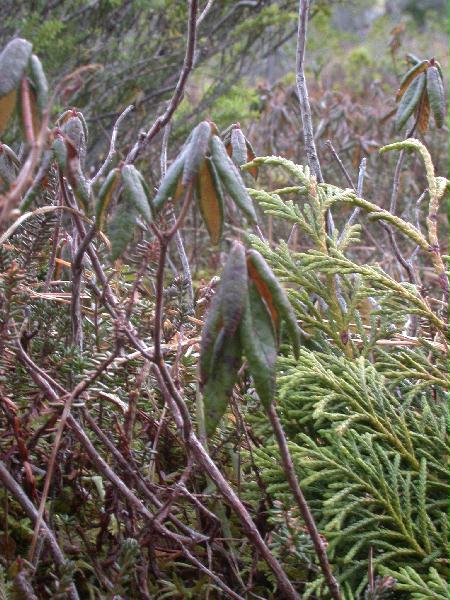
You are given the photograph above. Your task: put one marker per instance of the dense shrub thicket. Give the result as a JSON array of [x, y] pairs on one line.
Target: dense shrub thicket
[[276, 428]]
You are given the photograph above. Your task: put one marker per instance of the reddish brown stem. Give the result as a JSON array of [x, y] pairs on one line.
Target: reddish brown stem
[[288, 468]]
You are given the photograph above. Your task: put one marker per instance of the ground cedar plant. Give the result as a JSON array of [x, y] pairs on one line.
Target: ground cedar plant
[[279, 431]]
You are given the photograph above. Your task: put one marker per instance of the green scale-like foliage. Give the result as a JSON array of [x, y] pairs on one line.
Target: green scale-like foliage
[[366, 416]]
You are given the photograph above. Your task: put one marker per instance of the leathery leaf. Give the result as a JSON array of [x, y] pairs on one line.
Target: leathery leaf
[[259, 345], [134, 191], [231, 178], [234, 288], [210, 331], [39, 82], [279, 298], [227, 356], [210, 200], [121, 228], [436, 96], [409, 77], [105, 196], [410, 101], [238, 147], [196, 151], [13, 63], [170, 181]]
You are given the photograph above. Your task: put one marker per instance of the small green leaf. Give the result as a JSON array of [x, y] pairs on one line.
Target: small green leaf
[[436, 96], [134, 191], [105, 196], [39, 81], [231, 178], [13, 63]]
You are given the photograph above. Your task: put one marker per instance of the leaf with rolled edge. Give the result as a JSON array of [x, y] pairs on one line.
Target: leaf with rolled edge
[[410, 101], [412, 59], [7, 106], [409, 77], [423, 118], [196, 151], [81, 188], [75, 132], [39, 81], [170, 181], [266, 294], [210, 199], [435, 91], [134, 192], [279, 298], [233, 288], [231, 178], [227, 359], [105, 196], [238, 147], [213, 324], [13, 63], [59, 149], [259, 345], [121, 229]]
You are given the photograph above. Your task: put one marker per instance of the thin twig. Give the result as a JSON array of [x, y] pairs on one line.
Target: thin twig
[[178, 239], [16, 491], [77, 391], [288, 467], [302, 91], [177, 96], [112, 147]]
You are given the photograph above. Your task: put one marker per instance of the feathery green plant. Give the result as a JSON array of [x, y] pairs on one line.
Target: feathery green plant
[[365, 412]]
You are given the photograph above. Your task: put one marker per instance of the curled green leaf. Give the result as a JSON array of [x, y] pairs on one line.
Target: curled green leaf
[[134, 191], [436, 97], [231, 178], [39, 81], [105, 196], [410, 101], [170, 181]]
